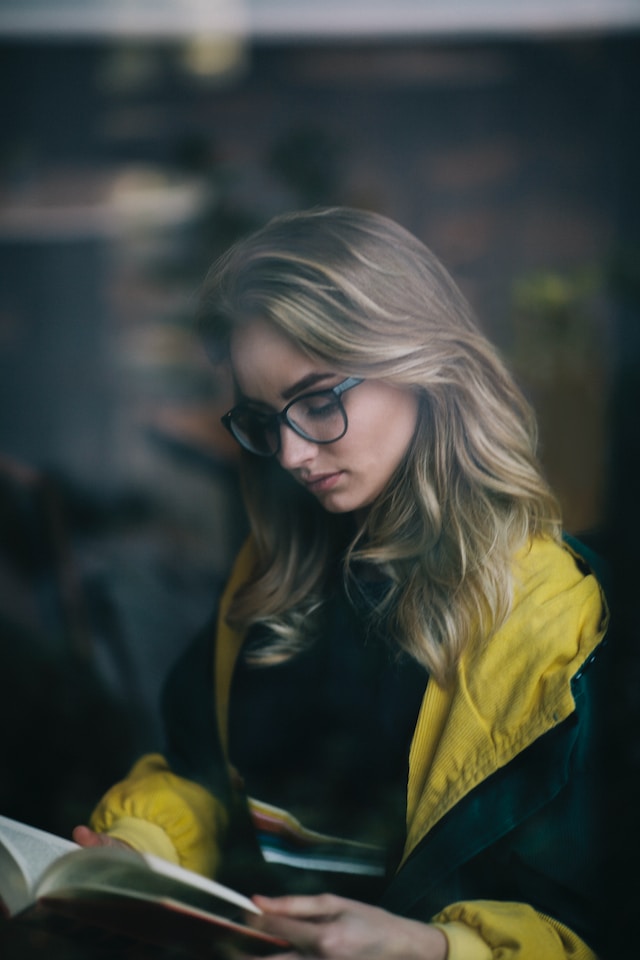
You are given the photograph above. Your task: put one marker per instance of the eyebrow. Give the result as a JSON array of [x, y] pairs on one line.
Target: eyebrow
[[305, 383]]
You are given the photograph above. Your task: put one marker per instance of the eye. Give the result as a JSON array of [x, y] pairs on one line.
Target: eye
[[318, 405]]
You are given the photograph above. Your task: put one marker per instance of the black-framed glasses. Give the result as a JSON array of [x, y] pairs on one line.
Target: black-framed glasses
[[319, 416]]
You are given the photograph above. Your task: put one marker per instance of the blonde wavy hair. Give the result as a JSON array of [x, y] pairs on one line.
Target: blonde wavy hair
[[356, 290]]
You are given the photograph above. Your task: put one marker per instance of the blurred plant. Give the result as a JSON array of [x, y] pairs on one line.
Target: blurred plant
[[557, 323]]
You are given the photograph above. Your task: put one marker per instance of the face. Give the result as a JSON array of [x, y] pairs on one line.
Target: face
[[350, 473]]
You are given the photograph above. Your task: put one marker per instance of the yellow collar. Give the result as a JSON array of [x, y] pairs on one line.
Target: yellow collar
[[509, 690]]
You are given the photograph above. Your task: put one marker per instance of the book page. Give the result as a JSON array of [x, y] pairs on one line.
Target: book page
[[215, 889], [25, 853], [110, 869], [14, 893]]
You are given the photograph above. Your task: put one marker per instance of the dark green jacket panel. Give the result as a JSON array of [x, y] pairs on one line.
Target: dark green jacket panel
[[532, 832]]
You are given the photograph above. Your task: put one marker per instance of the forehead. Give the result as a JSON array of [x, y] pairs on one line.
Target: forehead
[[265, 361]]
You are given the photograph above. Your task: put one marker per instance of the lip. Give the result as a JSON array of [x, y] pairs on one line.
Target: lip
[[322, 481]]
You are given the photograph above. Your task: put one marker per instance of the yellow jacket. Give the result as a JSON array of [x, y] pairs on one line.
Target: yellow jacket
[[509, 692]]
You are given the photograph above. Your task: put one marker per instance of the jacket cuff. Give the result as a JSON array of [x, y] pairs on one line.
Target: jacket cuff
[[464, 942], [144, 836]]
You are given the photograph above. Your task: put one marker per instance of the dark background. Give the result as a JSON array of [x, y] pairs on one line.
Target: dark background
[[123, 172]]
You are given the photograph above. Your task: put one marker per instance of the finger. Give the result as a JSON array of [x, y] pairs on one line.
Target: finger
[[85, 836], [318, 907], [302, 935]]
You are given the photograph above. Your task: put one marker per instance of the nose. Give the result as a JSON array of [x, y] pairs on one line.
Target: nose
[[294, 449]]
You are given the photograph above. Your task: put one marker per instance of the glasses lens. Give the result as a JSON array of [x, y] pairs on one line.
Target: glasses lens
[[256, 433], [319, 417]]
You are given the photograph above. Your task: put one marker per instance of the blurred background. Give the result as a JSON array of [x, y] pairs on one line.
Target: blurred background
[[139, 138]]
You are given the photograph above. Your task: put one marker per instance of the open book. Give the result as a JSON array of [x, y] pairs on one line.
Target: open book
[[51, 882]]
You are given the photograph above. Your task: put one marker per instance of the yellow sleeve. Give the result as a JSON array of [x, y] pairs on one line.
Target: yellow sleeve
[[464, 943], [155, 811], [511, 931]]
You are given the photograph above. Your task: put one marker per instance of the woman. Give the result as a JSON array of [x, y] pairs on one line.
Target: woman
[[403, 704]]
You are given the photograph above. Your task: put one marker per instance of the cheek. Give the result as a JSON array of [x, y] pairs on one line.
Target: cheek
[[397, 427], [388, 435], [379, 435]]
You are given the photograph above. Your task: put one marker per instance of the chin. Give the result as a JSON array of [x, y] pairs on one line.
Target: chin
[[336, 505], [343, 504]]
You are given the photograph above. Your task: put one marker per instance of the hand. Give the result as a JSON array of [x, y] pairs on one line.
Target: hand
[[86, 837], [332, 928]]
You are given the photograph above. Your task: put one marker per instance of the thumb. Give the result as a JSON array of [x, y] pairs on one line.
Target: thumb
[[85, 836]]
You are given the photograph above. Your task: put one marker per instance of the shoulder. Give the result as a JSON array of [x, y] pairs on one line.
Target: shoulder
[[552, 567], [521, 677], [557, 595]]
